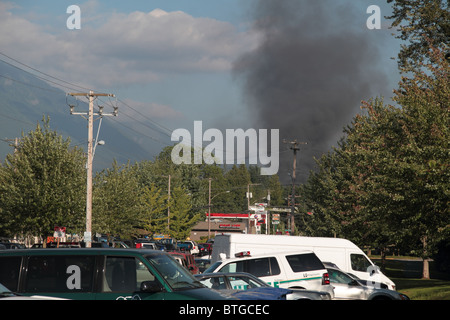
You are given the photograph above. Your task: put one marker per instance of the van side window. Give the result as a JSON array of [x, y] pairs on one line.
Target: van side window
[[261, 267], [125, 274], [60, 274], [9, 272], [359, 262], [304, 262]]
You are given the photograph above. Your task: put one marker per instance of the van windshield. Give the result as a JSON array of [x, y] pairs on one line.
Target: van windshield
[[360, 262], [173, 273]]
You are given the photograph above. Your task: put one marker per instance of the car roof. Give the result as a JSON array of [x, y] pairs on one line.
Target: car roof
[[268, 254], [227, 274], [79, 251]]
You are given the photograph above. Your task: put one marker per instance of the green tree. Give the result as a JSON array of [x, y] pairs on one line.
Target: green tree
[[116, 205], [154, 215], [424, 162], [181, 221], [238, 178], [42, 184], [387, 182], [418, 21]]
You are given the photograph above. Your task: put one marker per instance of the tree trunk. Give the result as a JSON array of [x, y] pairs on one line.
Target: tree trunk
[[426, 265], [426, 269], [383, 259]]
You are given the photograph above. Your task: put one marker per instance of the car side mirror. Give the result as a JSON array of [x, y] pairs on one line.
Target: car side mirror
[[150, 287]]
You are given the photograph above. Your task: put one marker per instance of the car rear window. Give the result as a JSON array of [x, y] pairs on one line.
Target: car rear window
[[304, 262]]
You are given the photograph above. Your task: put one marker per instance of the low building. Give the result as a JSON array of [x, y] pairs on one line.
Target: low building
[[216, 227]]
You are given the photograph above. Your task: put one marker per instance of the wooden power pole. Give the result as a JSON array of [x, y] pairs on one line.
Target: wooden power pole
[[294, 147], [90, 118]]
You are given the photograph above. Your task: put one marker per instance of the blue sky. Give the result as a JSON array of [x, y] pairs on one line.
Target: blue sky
[[171, 60]]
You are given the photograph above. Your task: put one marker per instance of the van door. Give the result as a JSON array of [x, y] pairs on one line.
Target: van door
[[124, 278]]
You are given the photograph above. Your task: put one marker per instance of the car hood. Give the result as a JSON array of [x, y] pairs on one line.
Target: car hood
[[262, 293]]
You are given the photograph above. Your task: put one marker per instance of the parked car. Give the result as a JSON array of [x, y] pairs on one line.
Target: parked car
[[145, 244], [247, 281], [190, 246], [186, 260], [205, 249], [347, 287], [12, 245], [202, 264], [100, 274], [291, 270]]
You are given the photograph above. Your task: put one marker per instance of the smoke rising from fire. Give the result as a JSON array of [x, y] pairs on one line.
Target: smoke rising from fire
[[315, 63]]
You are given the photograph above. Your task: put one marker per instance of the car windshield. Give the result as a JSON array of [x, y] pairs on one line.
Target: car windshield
[[175, 275], [337, 276], [244, 282]]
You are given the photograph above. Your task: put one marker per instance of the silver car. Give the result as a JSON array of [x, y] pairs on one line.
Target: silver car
[[348, 287]]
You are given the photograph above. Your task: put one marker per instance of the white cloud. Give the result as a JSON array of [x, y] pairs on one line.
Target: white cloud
[[125, 49]]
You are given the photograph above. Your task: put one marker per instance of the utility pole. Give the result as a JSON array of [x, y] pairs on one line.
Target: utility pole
[[209, 208], [294, 147], [249, 195], [90, 118], [168, 208]]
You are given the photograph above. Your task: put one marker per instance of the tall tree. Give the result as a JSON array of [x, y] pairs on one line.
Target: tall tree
[[238, 178], [419, 21], [181, 221], [43, 184], [154, 216], [425, 101], [116, 204]]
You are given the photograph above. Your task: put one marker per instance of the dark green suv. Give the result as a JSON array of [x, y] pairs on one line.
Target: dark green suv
[[100, 274]]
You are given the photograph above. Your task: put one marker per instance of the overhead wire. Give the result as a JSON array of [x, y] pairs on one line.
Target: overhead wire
[[34, 69], [76, 88], [161, 129]]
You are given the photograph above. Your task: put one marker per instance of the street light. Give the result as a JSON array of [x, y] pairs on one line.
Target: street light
[[101, 143]]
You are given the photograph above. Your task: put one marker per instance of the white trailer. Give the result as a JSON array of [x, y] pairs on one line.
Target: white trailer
[[342, 252]]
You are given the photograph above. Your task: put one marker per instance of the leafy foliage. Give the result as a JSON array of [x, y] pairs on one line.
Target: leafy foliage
[[418, 21], [42, 185], [387, 182]]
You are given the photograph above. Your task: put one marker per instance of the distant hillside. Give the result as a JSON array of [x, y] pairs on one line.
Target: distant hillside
[[25, 99]]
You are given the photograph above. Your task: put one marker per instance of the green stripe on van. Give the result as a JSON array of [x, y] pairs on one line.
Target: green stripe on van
[[293, 280]]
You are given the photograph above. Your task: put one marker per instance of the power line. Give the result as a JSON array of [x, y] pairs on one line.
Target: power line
[[34, 69]]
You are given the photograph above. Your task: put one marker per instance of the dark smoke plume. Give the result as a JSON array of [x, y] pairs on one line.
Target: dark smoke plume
[[314, 65]]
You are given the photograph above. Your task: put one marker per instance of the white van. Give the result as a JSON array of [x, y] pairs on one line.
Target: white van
[[295, 270], [342, 252]]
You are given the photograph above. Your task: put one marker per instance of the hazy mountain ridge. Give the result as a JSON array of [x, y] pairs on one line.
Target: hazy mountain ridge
[[25, 99]]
